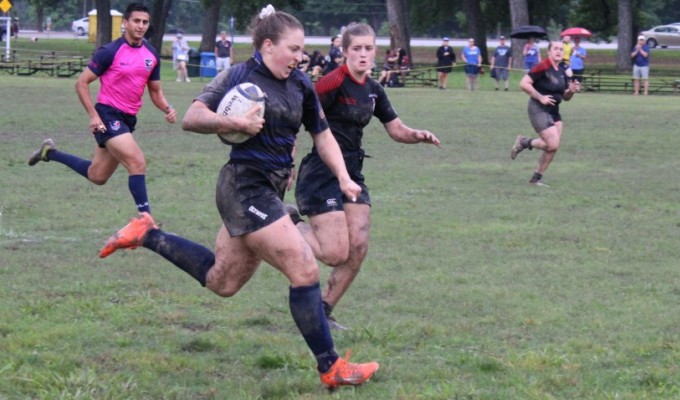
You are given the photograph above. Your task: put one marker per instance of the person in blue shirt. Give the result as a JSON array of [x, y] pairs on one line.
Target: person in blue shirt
[[640, 56], [532, 55], [578, 55], [472, 57]]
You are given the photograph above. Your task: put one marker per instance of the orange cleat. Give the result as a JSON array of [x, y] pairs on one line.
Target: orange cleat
[[344, 372], [130, 236]]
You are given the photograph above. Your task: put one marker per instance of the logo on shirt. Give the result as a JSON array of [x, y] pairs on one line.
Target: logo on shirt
[[148, 63], [114, 125], [373, 98], [331, 202]]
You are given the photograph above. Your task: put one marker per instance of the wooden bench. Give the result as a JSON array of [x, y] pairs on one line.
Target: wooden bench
[[596, 82]]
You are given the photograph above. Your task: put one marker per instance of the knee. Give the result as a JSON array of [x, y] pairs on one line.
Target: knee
[[551, 147], [98, 180], [335, 256], [136, 166], [306, 276], [224, 291]]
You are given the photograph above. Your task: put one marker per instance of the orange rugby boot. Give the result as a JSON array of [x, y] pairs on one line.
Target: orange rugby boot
[[130, 236], [343, 372]]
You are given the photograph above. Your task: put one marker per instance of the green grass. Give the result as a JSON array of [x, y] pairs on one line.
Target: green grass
[[476, 286]]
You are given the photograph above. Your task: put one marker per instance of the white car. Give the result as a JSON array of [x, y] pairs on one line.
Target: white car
[[81, 26]]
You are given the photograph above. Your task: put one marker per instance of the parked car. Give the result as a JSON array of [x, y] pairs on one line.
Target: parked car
[[664, 36], [81, 26]]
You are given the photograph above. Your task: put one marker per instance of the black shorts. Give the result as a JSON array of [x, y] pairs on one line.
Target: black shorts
[[542, 117], [317, 190], [445, 69], [116, 122], [249, 198]]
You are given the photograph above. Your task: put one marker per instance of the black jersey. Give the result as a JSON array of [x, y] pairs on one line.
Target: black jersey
[[349, 106], [289, 104], [549, 81]]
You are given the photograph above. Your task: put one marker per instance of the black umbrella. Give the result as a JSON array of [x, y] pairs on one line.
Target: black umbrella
[[528, 31]]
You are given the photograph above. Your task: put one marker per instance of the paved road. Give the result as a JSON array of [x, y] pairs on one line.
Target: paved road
[[314, 40]]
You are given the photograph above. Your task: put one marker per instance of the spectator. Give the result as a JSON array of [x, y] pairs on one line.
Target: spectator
[[224, 52], [180, 56], [501, 60], [334, 59], [578, 54], [404, 65], [532, 54], [389, 68], [446, 59], [472, 57], [640, 56], [317, 63]]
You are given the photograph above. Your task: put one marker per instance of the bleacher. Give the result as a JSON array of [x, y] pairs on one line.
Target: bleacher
[[606, 81]]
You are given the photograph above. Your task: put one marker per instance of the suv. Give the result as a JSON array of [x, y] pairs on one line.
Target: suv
[[81, 26]]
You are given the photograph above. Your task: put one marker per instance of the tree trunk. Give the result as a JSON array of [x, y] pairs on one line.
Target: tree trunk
[[624, 35], [40, 14], [103, 22], [519, 15], [476, 27], [398, 22], [211, 18], [159, 15]]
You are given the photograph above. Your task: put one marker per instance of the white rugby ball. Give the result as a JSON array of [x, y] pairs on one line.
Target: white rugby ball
[[237, 102]]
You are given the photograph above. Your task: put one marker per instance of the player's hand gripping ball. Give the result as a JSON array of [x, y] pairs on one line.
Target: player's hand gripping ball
[[236, 103]]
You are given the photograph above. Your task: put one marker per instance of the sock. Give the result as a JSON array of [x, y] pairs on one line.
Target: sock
[[537, 177], [526, 143], [76, 163], [307, 310], [188, 256], [137, 186]]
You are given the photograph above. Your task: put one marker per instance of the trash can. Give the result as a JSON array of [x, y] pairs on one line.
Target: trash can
[[208, 65], [193, 65]]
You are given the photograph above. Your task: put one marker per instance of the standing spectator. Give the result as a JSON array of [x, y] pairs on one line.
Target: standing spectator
[[254, 224], [350, 99], [547, 85], [472, 57], [566, 44], [501, 60], [578, 55], [224, 52], [446, 59], [15, 28], [389, 68], [532, 55], [180, 56], [125, 67], [334, 59], [404, 65], [640, 56]]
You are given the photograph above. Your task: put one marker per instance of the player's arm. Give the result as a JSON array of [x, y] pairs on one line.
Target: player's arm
[[83, 91], [401, 133], [330, 153], [158, 99], [527, 85], [201, 119]]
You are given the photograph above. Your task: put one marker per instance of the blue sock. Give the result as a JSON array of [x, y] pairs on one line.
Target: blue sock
[[137, 185], [188, 256], [76, 163], [307, 310]]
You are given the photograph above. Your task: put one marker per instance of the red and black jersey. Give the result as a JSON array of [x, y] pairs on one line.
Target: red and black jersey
[[350, 104], [549, 81]]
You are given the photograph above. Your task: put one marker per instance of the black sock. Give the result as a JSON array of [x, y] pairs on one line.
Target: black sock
[[188, 256], [327, 308], [537, 177], [307, 310], [526, 143]]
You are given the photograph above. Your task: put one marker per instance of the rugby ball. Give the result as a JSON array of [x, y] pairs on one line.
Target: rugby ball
[[236, 103]]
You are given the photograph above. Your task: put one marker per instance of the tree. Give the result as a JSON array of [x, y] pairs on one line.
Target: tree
[[159, 16], [40, 6], [210, 19], [624, 35], [476, 26], [103, 22], [519, 15], [400, 36]]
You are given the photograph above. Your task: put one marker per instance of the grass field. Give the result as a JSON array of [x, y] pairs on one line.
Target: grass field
[[476, 286]]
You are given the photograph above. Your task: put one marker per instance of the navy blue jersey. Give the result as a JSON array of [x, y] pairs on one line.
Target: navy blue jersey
[[549, 81], [349, 106], [289, 104]]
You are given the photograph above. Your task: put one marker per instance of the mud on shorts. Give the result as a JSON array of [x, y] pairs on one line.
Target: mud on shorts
[[542, 117], [116, 122], [249, 198], [317, 190]]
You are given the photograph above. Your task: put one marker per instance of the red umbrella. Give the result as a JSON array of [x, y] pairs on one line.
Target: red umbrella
[[576, 31]]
